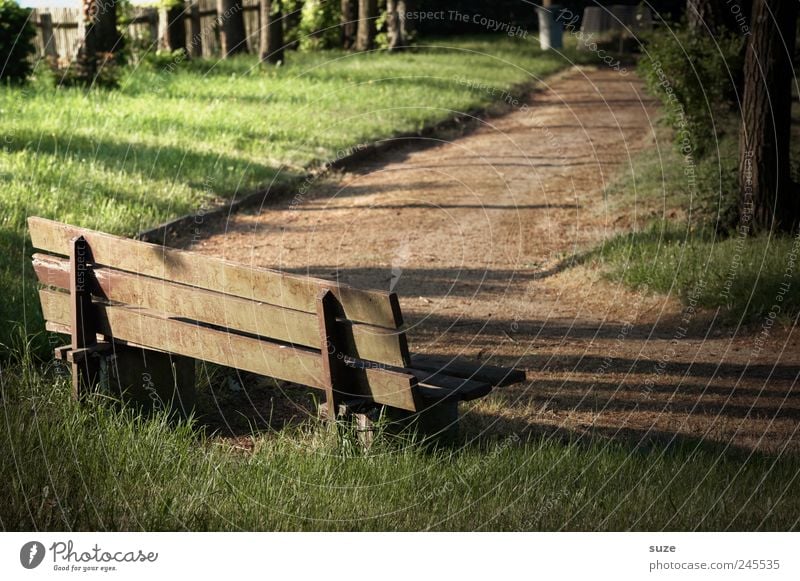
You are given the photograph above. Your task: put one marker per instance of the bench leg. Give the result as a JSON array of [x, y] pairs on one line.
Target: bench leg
[[435, 424]]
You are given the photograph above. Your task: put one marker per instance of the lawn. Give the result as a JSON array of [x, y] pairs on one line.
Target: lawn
[[180, 136], [167, 143], [685, 240], [90, 467]]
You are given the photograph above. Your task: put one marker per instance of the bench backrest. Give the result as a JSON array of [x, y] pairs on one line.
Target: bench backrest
[[255, 319]]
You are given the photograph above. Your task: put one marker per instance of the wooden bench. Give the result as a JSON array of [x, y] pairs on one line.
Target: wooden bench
[[141, 313]]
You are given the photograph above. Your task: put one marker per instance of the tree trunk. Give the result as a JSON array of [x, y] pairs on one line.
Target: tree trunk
[[367, 13], [99, 31], [406, 26], [292, 25], [107, 36], [175, 33], [701, 15], [394, 30], [768, 198], [271, 33], [230, 17], [714, 16], [86, 58], [349, 23]]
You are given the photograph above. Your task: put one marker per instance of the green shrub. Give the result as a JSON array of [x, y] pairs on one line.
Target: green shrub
[[319, 27], [292, 15], [16, 42], [696, 78]]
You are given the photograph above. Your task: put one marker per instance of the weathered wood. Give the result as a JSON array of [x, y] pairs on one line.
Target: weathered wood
[[48, 35], [491, 374], [70, 355], [82, 319], [294, 364], [437, 385], [151, 380], [334, 371], [260, 284], [357, 340]]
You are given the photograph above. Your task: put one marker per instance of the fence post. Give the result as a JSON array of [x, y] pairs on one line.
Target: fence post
[[48, 36]]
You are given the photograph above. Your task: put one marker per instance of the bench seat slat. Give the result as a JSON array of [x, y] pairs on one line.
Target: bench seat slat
[[438, 385], [361, 341], [491, 374], [261, 284], [294, 364]]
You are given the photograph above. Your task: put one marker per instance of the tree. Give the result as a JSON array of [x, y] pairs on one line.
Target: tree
[[367, 14], [173, 26], [349, 23], [271, 36], [701, 14], [394, 27], [105, 24], [767, 196], [98, 29], [406, 25], [293, 14], [716, 16], [17, 34], [230, 16]]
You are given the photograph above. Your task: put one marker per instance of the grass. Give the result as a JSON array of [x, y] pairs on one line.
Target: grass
[[746, 278], [660, 181], [168, 142], [92, 467], [179, 136], [685, 241]]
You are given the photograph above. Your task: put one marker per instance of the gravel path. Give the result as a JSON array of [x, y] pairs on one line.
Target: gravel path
[[473, 234]]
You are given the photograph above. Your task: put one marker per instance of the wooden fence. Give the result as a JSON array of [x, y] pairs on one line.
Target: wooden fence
[[59, 32]]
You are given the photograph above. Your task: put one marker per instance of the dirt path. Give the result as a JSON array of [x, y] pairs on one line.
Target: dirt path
[[471, 234]]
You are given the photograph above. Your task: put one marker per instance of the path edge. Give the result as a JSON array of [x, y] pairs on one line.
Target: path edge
[[464, 123]]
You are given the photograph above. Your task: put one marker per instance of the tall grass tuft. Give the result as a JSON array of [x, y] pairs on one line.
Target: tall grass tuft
[[97, 466]]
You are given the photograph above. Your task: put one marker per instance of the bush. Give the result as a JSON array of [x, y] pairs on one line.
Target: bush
[[695, 77], [16, 42], [292, 15], [319, 27]]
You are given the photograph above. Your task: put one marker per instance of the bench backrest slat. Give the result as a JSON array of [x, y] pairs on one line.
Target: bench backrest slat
[[358, 340], [260, 284], [289, 363]]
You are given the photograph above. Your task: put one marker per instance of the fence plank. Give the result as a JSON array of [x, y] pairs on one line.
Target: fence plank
[[48, 37], [202, 28]]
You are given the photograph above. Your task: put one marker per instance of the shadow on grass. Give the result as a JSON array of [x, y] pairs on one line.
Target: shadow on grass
[[163, 162]]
